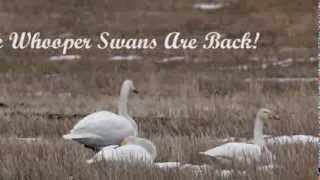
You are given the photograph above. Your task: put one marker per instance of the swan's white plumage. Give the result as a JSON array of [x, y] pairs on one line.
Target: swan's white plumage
[[128, 153], [295, 139], [235, 151], [101, 129], [105, 128], [136, 150]]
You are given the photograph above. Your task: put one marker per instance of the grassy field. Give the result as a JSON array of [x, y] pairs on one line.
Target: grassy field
[[183, 107]]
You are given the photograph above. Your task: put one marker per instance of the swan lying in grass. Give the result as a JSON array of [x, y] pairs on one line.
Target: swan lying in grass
[[245, 153], [105, 128], [132, 150]]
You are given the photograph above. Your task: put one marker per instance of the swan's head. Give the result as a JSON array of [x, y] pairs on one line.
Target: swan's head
[[145, 143], [266, 114], [130, 86]]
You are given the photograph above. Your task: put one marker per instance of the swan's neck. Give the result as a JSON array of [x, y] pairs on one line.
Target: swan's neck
[[258, 132], [123, 106], [123, 101], [134, 124]]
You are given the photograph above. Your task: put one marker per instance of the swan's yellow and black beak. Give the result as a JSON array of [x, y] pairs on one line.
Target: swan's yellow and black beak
[[273, 116]]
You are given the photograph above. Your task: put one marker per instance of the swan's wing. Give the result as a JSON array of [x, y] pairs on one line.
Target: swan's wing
[[295, 139], [99, 119], [103, 128], [129, 153], [238, 151], [95, 117]]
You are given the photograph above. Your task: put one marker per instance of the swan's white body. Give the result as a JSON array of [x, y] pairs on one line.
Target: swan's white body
[[238, 152], [129, 153], [138, 151], [101, 129], [243, 153], [295, 139], [105, 128]]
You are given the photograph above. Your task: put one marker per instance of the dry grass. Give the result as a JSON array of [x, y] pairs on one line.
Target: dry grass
[[181, 125], [184, 107], [60, 160]]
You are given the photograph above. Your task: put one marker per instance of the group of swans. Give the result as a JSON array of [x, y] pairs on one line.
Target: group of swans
[[115, 137]]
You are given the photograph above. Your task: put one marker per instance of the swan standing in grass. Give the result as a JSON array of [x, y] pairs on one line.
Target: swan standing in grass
[[243, 153], [132, 150], [105, 128]]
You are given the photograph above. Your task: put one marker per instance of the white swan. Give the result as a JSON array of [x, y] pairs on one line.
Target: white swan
[[132, 150], [105, 128], [241, 153]]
